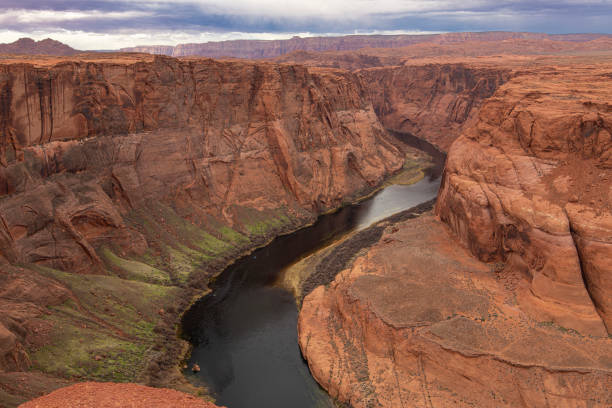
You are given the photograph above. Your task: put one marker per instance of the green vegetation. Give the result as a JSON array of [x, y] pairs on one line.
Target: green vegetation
[[135, 270], [106, 335], [107, 330], [81, 349], [262, 224], [411, 173], [558, 327]]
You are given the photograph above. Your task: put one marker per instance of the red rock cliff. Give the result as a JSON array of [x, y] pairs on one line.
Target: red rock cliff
[[82, 142], [517, 314], [432, 101], [149, 172]]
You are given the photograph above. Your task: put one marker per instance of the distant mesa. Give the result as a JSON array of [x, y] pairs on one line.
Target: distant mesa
[[28, 46], [253, 49]]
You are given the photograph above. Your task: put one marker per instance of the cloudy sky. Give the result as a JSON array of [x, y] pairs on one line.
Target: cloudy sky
[[111, 24]]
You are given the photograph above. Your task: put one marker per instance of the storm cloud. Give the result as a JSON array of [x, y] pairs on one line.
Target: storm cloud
[[108, 24]]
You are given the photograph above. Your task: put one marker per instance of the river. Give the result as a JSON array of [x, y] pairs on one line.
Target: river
[[245, 332]]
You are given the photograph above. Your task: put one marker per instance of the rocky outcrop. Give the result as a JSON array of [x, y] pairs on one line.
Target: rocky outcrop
[[24, 297], [432, 101], [43, 47], [529, 186], [107, 395], [416, 321], [274, 48]]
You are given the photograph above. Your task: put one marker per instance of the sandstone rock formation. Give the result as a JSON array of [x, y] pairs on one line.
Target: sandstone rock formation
[[110, 395], [127, 180], [42, 47], [416, 321], [150, 174], [83, 143], [275, 48], [432, 101], [529, 186]]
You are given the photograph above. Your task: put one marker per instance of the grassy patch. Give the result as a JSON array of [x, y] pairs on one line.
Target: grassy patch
[[114, 319], [135, 270], [260, 224], [409, 174], [76, 341]]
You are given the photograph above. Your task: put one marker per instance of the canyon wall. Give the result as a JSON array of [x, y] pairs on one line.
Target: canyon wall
[[416, 321], [124, 182], [83, 143], [432, 101]]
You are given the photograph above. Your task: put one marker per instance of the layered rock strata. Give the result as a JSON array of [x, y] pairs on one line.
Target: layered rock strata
[[150, 173], [432, 101], [275, 48]]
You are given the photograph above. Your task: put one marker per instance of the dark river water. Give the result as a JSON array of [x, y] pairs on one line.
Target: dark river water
[[244, 334]]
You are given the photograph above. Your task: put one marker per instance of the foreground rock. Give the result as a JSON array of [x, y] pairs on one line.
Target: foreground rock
[[110, 395], [417, 321]]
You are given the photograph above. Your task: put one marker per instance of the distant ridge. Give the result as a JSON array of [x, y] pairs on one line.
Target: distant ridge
[[274, 48], [30, 47]]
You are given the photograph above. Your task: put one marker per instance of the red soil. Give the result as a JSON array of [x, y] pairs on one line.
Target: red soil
[[102, 395]]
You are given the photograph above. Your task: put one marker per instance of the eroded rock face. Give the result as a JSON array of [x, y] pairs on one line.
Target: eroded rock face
[[432, 101], [417, 321], [24, 297], [83, 143], [529, 186], [504, 299]]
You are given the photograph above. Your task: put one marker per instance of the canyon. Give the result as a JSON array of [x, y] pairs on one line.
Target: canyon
[[129, 181], [126, 184]]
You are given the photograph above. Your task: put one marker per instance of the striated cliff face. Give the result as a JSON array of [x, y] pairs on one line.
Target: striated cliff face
[[519, 313], [150, 174], [432, 101], [98, 140]]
